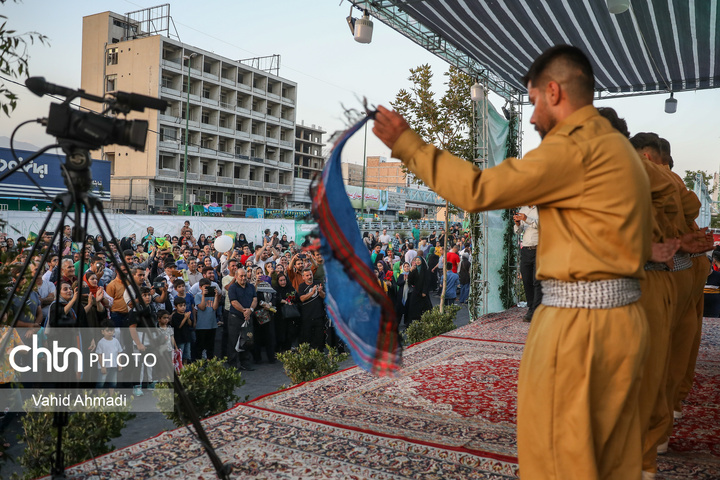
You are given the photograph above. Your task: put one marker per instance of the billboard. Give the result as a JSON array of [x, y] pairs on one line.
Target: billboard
[[45, 170], [374, 199]]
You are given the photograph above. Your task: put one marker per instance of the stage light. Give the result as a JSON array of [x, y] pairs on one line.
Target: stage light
[[671, 104], [618, 6], [361, 28], [477, 92]]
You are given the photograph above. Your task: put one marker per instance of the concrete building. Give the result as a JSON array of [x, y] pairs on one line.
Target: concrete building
[[241, 118], [352, 174], [309, 161]]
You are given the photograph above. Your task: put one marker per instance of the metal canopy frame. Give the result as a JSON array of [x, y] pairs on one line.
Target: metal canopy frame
[[390, 13]]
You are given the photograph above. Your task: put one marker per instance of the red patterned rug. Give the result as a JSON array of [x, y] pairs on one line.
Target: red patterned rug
[[267, 445], [453, 392], [506, 326]]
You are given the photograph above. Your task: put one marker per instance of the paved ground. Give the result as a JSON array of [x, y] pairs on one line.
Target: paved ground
[[266, 378]]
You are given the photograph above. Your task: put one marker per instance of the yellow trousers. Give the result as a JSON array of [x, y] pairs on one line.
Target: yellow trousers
[[701, 270], [656, 301], [578, 388], [682, 333]]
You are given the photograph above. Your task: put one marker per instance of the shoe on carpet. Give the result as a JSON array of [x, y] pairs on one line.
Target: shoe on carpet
[[137, 391], [677, 414], [663, 447], [648, 475], [245, 367], [528, 317]]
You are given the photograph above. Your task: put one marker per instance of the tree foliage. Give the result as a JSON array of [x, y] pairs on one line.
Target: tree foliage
[[444, 122], [690, 176], [14, 59]]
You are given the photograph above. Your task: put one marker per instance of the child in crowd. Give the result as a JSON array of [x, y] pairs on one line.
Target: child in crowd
[[181, 290], [182, 324], [168, 347], [108, 349]]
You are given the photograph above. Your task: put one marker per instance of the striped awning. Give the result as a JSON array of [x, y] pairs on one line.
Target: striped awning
[[657, 45]]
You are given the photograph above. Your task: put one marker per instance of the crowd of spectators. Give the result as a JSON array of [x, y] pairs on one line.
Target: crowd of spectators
[[206, 301]]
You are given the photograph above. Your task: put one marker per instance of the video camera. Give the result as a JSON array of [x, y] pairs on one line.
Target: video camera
[[94, 130]]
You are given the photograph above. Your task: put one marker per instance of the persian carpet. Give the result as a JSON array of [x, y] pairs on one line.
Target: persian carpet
[[451, 392], [506, 326], [267, 445]]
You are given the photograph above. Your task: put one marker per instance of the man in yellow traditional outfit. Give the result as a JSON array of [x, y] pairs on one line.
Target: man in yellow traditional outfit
[[579, 377]]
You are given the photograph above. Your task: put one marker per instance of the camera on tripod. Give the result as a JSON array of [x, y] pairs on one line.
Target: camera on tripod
[[92, 130]]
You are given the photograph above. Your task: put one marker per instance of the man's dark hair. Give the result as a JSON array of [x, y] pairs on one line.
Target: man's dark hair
[[177, 282], [307, 270], [107, 325], [144, 290], [96, 259], [618, 123], [646, 140], [582, 84], [232, 260], [179, 301], [128, 253], [449, 265], [204, 281], [207, 269], [665, 152], [162, 313]]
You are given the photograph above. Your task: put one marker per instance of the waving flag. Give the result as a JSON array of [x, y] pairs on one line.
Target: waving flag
[[362, 312]]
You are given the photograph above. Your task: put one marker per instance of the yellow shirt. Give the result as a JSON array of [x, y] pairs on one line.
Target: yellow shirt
[[665, 201], [689, 201], [588, 182]]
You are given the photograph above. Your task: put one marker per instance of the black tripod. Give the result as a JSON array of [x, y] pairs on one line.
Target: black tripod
[[78, 179]]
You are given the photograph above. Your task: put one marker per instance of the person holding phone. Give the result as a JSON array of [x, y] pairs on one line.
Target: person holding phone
[[207, 301]]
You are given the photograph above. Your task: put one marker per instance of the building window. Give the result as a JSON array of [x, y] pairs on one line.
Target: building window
[[206, 92], [205, 117], [112, 56], [252, 174], [240, 78], [221, 170], [182, 165], [207, 67], [166, 81], [236, 171], [204, 168], [267, 177], [167, 162], [253, 151], [111, 83], [249, 200]]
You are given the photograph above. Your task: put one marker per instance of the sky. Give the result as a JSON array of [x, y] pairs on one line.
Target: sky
[[318, 52]]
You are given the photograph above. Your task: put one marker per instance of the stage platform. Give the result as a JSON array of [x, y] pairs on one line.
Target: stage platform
[[450, 415]]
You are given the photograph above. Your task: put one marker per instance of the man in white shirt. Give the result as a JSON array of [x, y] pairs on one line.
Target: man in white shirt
[[410, 254], [385, 239], [526, 222]]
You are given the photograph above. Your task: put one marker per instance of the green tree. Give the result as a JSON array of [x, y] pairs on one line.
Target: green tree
[[14, 59], [690, 176], [445, 122]]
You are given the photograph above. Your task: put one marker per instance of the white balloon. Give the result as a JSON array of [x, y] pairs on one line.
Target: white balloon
[[223, 243]]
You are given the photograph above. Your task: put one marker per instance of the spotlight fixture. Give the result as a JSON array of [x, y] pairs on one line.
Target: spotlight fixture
[[361, 28], [618, 6], [477, 92], [671, 104]]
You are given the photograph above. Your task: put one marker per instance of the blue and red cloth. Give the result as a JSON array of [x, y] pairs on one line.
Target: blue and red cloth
[[363, 314]]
